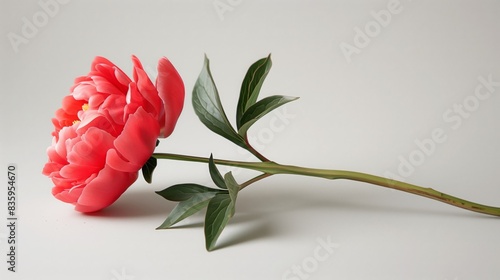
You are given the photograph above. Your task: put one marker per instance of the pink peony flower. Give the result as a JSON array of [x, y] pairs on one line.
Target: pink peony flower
[[107, 129]]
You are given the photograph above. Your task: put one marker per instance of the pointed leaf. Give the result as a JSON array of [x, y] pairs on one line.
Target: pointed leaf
[[148, 168], [219, 211], [187, 208], [208, 107], [182, 192], [215, 174], [250, 88], [233, 188], [260, 109]]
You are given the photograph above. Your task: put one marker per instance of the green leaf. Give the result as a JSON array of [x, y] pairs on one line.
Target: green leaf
[[182, 192], [219, 211], [232, 187], [208, 107], [187, 208], [260, 109], [148, 168], [215, 174], [250, 88]]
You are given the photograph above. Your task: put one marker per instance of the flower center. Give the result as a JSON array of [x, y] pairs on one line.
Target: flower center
[[85, 107]]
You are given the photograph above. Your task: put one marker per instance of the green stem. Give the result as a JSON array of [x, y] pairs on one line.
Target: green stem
[[255, 179], [270, 168], [254, 151]]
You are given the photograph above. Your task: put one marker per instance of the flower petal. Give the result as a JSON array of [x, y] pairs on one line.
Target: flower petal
[[94, 119], [136, 143], [92, 149], [67, 195], [108, 70], [104, 189], [148, 91], [171, 91]]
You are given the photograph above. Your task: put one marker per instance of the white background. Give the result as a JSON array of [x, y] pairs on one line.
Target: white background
[[364, 114]]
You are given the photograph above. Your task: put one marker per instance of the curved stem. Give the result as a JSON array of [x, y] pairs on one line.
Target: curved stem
[[254, 151], [255, 179], [270, 168]]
